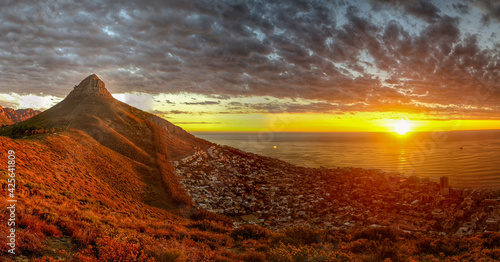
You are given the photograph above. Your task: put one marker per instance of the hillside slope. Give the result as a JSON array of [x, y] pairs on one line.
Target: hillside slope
[[94, 182], [132, 134], [92, 167], [78, 200]]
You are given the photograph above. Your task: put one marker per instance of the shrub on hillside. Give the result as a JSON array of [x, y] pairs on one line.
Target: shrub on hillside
[[82, 233], [199, 215], [290, 253], [253, 256], [379, 233], [21, 129], [170, 256], [37, 225], [302, 236], [213, 240], [490, 239], [388, 250], [208, 225], [449, 246], [109, 249], [29, 242], [250, 232]]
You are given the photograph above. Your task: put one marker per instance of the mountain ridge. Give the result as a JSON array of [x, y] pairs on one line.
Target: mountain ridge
[[134, 134], [9, 116]]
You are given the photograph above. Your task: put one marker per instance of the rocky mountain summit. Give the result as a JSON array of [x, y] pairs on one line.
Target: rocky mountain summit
[[90, 86]]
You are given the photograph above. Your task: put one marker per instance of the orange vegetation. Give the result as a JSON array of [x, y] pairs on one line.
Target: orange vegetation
[[95, 183]]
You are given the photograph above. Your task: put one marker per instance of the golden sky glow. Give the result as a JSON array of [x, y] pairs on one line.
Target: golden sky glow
[[193, 113], [318, 123]]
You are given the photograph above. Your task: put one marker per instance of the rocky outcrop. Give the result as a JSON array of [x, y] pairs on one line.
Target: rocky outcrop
[[9, 116]]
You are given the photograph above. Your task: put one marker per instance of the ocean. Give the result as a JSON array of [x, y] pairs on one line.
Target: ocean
[[468, 158]]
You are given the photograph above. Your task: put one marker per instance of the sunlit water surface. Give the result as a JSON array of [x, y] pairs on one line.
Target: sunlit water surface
[[469, 158]]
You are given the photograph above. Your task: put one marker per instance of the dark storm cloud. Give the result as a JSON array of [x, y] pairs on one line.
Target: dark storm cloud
[[282, 107], [335, 52], [485, 20], [453, 68], [462, 8], [423, 9], [490, 7], [291, 107]]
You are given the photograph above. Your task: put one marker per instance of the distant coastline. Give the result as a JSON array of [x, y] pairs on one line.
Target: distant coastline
[[467, 157]]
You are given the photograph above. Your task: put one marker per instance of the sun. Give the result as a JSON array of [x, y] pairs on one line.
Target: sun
[[401, 127]]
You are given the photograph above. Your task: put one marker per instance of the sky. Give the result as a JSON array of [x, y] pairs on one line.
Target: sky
[[235, 65]]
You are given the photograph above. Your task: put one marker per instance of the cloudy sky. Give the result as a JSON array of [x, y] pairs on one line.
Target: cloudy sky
[[254, 65]]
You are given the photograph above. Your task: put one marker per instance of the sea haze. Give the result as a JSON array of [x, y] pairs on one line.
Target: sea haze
[[469, 158]]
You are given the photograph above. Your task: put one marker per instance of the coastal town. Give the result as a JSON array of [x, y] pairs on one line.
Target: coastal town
[[269, 192]]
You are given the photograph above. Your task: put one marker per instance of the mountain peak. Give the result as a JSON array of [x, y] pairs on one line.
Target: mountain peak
[[90, 86]]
